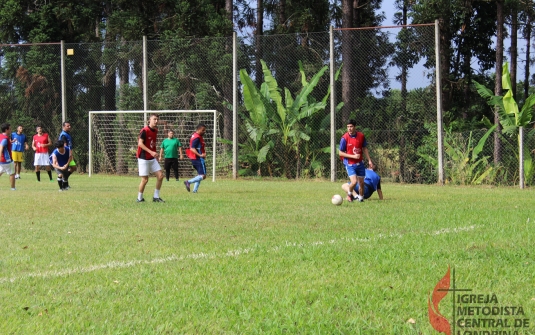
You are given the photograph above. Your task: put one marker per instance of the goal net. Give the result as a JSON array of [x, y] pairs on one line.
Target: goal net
[[113, 137]]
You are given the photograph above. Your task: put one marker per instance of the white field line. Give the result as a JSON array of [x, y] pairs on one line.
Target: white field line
[[230, 253]]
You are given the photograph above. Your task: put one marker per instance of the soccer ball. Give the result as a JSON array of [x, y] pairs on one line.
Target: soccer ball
[[337, 200]]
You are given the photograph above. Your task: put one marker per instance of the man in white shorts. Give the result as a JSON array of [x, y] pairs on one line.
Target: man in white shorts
[[147, 158], [6, 161], [40, 143]]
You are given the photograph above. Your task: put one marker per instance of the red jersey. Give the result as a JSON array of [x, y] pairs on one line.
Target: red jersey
[[354, 146], [149, 139], [5, 157], [38, 141], [199, 147]]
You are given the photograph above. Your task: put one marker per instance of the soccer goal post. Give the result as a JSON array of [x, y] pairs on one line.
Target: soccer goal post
[[113, 137]]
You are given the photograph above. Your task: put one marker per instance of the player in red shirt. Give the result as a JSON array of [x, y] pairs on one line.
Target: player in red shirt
[[40, 144], [147, 158], [196, 153], [352, 145]]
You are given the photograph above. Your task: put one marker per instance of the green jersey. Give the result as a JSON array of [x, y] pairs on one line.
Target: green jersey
[[170, 147]]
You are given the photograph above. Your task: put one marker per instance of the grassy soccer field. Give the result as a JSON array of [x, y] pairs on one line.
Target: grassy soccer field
[[249, 257]]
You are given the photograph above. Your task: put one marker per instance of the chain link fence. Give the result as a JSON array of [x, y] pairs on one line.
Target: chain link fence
[[384, 78]]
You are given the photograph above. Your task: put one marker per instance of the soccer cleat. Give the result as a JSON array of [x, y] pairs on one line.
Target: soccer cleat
[[13, 189], [61, 190], [360, 199], [157, 200], [349, 198], [142, 200], [186, 183]]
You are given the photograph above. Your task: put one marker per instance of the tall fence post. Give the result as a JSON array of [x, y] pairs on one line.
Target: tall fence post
[[63, 84], [440, 127], [234, 106], [521, 156], [333, 106], [145, 81]]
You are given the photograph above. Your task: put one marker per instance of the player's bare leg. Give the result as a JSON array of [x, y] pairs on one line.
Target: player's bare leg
[[159, 179], [142, 184]]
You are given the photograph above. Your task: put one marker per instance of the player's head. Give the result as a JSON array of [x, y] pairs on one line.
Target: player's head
[[20, 129], [351, 124], [6, 128], [153, 120], [39, 130], [170, 134], [59, 144], [201, 129], [66, 126]]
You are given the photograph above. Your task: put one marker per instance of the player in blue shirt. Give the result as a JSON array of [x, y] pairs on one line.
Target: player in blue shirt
[[60, 159], [19, 144], [66, 137], [372, 183]]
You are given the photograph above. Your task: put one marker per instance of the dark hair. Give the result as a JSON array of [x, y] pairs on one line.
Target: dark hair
[[201, 125], [154, 114], [352, 122], [64, 123], [5, 126], [59, 144]]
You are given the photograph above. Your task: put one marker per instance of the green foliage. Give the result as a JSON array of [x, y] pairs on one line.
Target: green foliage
[[278, 125], [463, 164]]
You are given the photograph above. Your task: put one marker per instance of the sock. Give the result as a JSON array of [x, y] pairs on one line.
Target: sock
[[60, 183], [66, 175], [195, 179], [196, 186], [140, 196], [49, 174], [38, 174], [156, 193]]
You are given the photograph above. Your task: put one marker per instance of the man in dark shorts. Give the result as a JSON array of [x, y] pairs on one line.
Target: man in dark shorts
[[196, 153]]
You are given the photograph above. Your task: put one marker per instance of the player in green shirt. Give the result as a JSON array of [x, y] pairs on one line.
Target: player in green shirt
[[170, 149]]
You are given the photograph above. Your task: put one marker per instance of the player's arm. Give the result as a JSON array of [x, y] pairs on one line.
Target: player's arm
[[2, 145], [55, 163], [69, 160], [193, 149], [141, 144], [161, 153], [49, 144], [26, 144], [180, 152], [33, 145], [379, 192], [342, 150]]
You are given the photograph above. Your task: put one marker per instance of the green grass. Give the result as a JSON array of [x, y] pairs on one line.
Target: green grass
[[252, 256]]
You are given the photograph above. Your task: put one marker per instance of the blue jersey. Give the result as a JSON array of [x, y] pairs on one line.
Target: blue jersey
[[62, 159], [19, 144], [66, 137], [372, 179]]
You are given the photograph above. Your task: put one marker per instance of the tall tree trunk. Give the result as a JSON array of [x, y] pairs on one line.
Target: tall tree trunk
[[528, 63], [347, 60], [514, 49], [404, 71], [124, 79], [282, 16], [498, 83], [109, 96], [258, 33]]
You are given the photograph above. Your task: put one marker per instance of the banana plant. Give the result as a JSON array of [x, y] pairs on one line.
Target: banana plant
[[270, 114], [511, 118]]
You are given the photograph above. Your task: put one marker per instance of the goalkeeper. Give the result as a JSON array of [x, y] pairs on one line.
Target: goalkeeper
[[171, 146]]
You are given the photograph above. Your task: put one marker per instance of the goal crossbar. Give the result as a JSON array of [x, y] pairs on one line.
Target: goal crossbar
[[145, 114]]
